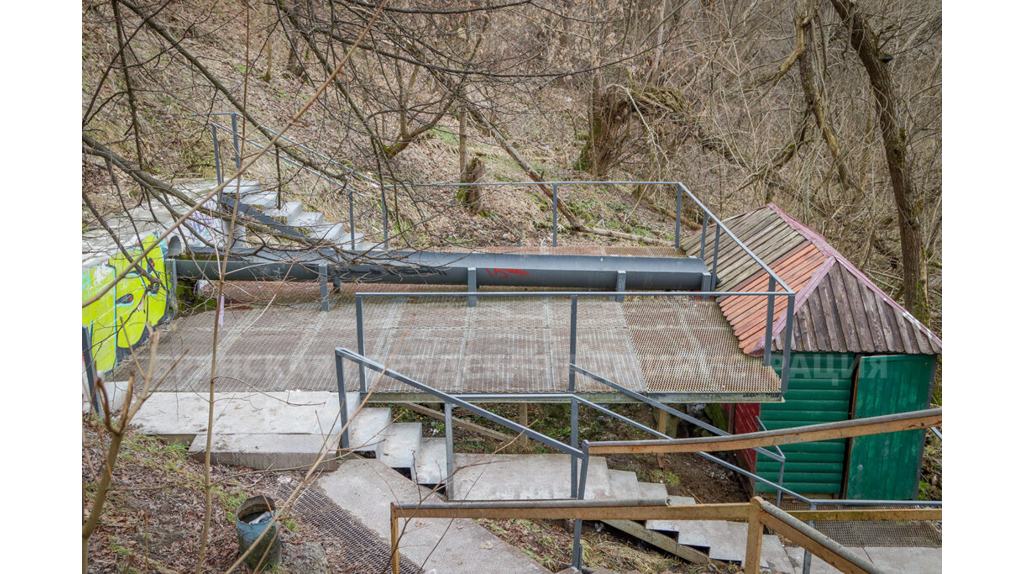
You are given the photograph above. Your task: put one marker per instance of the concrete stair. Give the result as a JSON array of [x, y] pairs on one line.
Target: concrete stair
[[291, 429], [723, 540], [97, 246]]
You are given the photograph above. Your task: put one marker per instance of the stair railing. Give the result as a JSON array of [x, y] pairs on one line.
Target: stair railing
[[342, 184], [681, 190], [757, 513], [451, 401]]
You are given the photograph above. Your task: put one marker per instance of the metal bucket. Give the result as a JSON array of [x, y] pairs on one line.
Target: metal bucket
[[249, 527]]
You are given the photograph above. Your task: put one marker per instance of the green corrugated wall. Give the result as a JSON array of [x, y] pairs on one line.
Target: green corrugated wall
[[820, 387], [884, 466]]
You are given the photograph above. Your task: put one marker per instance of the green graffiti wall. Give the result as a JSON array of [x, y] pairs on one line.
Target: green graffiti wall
[[117, 321]]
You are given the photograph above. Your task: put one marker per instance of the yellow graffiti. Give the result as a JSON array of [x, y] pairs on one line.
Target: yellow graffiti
[[98, 317], [118, 321]]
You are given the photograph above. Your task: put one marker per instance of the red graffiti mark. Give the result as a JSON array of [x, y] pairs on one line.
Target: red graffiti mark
[[505, 273]]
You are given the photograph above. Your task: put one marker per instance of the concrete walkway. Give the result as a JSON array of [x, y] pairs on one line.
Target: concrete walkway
[[366, 488]]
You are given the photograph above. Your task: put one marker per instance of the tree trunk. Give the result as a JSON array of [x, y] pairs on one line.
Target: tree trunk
[[894, 138], [472, 196], [462, 139]]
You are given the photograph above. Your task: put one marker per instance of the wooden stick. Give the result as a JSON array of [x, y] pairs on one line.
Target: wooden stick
[[754, 537], [843, 429], [395, 561], [459, 422]]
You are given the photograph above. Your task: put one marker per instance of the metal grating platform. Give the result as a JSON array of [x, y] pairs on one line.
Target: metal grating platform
[[678, 348], [887, 534], [362, 549]]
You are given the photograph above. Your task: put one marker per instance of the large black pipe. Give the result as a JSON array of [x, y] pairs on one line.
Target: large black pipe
[[514, 270]]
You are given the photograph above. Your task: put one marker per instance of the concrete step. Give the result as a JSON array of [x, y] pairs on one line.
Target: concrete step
[[774, 557], [623, 484], [264, 199], [288, 211], [265, 451], [334, 233], [183, 415], [366, 488], [524, 477], [400, 446], [367, 429], [653, 491], [432, 461], [306, 219]]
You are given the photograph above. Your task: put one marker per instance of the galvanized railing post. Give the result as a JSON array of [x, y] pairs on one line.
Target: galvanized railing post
[[361, 343], [216, 157], [384, 210], [449, 451], [574, 438], [807, 553], [471, 286], [791, 301], [339, 365], [714, 264], [703, 233], [769, 323], [577, 527], [234, 137], [782, 473], [554, 215], [679, 210], [352, 219], [574, 309], [324, 289]]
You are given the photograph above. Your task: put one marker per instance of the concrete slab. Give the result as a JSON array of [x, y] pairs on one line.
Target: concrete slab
[[653, 491], [366, 488], [906, 560], [306, 219], [623, 484], [523, 477], [773, 556], [431, 461], [400, 445], [288, 211], [266, 451], [369, 428], [366, 430], [729, 544], [818, 566], [184, 415]]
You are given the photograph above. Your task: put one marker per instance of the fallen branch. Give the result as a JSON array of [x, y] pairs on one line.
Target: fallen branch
[[621, 235]]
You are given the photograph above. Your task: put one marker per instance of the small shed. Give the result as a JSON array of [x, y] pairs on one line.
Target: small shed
[[855, 353]]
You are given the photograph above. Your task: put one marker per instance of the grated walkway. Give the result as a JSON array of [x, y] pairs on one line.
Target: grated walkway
[[680, 348]]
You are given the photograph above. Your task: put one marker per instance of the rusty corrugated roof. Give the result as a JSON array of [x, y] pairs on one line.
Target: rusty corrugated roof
[[838, 308]]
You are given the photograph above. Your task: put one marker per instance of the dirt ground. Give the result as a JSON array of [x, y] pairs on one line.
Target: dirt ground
[[153, 517]]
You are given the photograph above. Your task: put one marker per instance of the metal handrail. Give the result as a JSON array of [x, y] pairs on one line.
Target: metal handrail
[[779, 488], [330, 178], [292, 162], [782, 463], [235, 116], [343, 353]]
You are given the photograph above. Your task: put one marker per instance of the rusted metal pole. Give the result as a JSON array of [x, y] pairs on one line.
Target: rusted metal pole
[[395, 561]]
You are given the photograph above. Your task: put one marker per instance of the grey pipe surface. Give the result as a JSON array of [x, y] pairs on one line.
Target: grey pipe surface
[[514, 270]]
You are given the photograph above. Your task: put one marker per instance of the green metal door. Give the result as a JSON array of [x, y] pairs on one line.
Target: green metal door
[[820, 387], [885, 466]]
